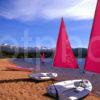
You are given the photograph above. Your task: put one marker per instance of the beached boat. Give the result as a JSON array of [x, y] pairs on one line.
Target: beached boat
[[19, 68], [70, 90], [64, 57], [43, 76]]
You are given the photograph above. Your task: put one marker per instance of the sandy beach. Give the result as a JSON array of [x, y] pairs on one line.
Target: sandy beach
[[15, 85]]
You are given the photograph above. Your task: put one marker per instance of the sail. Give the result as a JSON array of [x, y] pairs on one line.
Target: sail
[[93, 56], [64, 56]]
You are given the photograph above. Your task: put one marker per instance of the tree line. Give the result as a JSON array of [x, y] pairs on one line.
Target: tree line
[[78, 52]]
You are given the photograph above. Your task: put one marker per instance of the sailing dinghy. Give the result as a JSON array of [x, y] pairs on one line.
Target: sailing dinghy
[[43, 76], [71, 89], [64, 58]]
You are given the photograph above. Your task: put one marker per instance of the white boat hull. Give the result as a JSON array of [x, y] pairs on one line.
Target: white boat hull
[[70, 90], [43, 76]]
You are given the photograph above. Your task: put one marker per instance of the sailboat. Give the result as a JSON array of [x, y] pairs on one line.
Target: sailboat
[[93, 56], [64, 56]]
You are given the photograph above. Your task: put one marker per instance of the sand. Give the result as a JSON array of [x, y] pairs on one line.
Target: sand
[[15, 85]]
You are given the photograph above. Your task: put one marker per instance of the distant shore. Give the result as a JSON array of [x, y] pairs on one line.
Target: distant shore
[[8, 51]]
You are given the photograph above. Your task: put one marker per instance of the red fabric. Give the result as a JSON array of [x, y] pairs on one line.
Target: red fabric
[[93, 57], [64, 56], [43, 57]]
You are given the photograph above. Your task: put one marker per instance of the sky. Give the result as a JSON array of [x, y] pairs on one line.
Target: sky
[[36, 23]]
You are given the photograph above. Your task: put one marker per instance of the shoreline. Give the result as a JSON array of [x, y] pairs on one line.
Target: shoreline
[[15, 85]]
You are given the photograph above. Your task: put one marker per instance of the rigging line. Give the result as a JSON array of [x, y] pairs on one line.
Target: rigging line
[[57, 95]]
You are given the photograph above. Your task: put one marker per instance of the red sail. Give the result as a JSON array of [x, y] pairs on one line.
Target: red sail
[[64, 56], [93, 57]]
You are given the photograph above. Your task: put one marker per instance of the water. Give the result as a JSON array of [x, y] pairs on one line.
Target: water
[[35, 62]]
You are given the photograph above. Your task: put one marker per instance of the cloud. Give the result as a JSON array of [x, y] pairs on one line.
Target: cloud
[[83, 10], [27, 10]]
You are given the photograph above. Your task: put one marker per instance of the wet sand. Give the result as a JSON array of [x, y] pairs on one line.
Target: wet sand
[[15, 85]]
